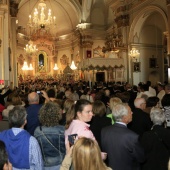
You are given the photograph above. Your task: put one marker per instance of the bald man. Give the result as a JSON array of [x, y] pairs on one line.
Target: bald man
[[32, 112], [141, 121]]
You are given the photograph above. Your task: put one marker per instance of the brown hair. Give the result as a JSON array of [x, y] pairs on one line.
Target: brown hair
[[49, 114], [99, 108], [72, 112]]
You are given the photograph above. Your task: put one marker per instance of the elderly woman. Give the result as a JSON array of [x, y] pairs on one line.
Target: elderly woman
[[156, 142], [50, 136]]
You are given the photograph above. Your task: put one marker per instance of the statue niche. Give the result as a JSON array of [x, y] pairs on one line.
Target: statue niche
[[42, 62]]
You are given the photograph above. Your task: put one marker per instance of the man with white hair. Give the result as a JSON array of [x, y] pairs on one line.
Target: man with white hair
[[141, 121], [121, 144]]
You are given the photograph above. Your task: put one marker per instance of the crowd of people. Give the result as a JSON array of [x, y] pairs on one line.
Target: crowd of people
[[116, 126]]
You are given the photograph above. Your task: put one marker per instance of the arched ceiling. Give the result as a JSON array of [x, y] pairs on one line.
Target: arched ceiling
[[67, 14]]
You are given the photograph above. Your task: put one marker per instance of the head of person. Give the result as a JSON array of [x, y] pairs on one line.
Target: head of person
[[122, 113], [99, 108], [81, 110], [67, 105], [107, 92], [114, 101], [140, 103], [148, 83], [160, 87], [145, 87], [152, 101], [157, 116], [16, 100], [167, 89], [33, 98], [166, 100], [87, 155], [4, 164], [51, 93], [17, 117], [50, 114]]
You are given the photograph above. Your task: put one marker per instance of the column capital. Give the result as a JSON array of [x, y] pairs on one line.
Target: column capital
[[13, 9]]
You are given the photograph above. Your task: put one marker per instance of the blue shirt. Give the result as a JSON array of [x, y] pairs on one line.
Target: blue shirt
[[35, 156]]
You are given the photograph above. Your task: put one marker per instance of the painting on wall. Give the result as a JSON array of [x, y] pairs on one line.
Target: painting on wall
[[88, 53], [136, 67]]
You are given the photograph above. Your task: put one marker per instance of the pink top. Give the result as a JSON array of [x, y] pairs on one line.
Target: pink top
[[80, 128]]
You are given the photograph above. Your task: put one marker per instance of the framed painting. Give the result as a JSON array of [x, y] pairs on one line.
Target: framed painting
[[136, 67]]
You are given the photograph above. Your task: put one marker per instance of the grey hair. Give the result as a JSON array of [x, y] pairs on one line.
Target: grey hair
[[17, 116], [119, 111], [157, 116]]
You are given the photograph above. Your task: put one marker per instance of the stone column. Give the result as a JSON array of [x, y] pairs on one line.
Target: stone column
[[13, 54]]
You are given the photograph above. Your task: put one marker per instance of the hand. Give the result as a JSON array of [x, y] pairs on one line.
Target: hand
[[104, 155], [44, 94], [69, 149]]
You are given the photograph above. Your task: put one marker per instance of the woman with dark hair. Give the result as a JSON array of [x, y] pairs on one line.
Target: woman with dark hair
[[99, 119], [77, 118], [50, 136], [76, 121]]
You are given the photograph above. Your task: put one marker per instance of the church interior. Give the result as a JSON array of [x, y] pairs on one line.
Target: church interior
[[91, 40]]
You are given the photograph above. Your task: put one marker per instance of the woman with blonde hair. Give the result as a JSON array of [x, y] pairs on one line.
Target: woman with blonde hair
[[84, 155], [113, 101]]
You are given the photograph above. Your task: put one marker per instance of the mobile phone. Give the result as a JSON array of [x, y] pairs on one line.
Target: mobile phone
[[71, 139]]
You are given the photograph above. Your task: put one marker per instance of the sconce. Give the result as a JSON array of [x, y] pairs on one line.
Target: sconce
[[134, 53]]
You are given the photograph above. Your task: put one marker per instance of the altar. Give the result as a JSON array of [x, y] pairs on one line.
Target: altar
[[113, 68]]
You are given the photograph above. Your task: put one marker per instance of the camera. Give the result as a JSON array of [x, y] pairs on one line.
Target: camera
[[39, 92]]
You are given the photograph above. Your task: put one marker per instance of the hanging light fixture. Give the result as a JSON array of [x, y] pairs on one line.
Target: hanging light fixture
[[25, 66], [30, 48], [134, 53], [55, 67], [39, 19], [73, 67]]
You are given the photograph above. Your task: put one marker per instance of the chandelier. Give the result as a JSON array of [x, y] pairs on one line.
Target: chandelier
[[26, 67], [39, 19], [134, 53], [30, 48], [73, 67]]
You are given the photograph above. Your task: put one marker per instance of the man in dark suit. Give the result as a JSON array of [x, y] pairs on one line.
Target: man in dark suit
[[141, 121], [121, 144]]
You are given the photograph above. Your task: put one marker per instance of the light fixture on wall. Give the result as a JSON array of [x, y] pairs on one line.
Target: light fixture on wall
[[39, 19], [134, 53], [26, 67], [73, 67], [55, 67], [30, 48]]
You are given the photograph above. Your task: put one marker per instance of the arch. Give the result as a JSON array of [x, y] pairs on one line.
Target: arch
[[141, 17]]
